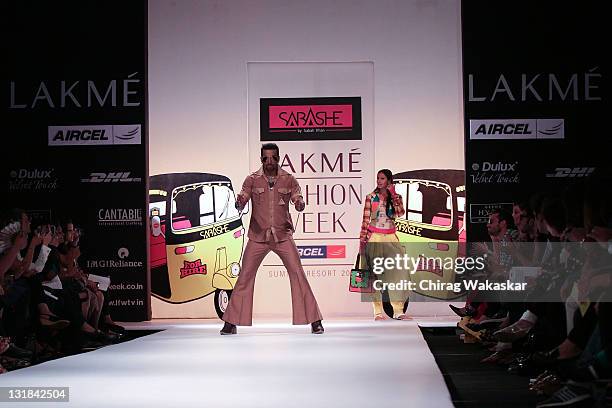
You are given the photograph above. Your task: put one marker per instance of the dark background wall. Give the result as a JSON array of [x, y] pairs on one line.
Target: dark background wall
[[81, 64], [530, 61]]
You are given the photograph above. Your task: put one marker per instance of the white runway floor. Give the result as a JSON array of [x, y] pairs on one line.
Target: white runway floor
[[356, 363]]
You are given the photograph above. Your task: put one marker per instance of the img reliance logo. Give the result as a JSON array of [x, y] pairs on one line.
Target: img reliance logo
[[322, 251], [123, 261], [497, 129], [87, 135], [300, 119], [120, 217], [123, 253]]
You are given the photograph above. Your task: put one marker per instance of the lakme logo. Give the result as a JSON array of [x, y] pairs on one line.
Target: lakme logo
[[119, 216], [517, 129], [94, 135], [302, 119]]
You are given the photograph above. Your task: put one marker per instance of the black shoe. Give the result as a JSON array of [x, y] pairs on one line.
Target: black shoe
[[317, 327], [228, 329], [53, 322], [90, 345], [572, 395], [114, 328], [100, 337], [463, 311], [18, 352], [492, 326]]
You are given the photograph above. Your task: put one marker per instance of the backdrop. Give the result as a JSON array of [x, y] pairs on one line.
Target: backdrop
[[216, 80], [535, 97], [75, 133]]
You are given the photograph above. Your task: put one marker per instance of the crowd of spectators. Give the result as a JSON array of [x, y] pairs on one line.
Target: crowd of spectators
[[49, 305], [559, 333]]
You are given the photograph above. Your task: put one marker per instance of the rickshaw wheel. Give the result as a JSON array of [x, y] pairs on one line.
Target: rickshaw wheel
[[222, 298]]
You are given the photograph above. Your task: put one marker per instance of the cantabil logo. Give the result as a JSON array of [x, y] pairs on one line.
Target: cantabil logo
[[119, 216], [517, 129], [84, 135]]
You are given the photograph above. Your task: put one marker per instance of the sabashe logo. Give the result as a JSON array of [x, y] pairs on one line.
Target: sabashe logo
[[517, 129], [119, 216], [563, 172], [84, 135], [122, 253], [304, 119], [32, 180], [498, 172], [322, 251], [121, 176]]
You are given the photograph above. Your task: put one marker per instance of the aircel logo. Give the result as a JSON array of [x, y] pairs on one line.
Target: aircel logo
[[322, 251], [517, 129], [94, 135], [123, 177], [562, 172]]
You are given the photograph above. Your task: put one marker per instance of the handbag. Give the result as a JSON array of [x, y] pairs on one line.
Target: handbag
[[361, 279]]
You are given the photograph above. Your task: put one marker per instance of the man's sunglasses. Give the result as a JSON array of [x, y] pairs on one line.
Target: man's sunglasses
[[264, 159]]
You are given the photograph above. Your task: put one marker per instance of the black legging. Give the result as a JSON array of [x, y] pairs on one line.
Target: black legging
[[584, 325]]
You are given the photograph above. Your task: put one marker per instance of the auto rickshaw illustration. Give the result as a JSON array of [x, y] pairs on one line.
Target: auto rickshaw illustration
[[197, 237], [433, 226]]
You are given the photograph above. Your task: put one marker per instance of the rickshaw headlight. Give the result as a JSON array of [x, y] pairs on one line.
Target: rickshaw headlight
[[235, 269]]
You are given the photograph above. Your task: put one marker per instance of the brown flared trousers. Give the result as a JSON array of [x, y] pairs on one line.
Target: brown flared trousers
[[240, 308]]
